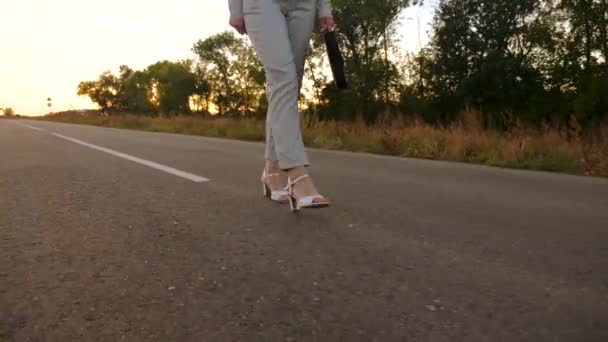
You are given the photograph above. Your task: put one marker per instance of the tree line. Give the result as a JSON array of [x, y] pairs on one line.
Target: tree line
[[511, 60]]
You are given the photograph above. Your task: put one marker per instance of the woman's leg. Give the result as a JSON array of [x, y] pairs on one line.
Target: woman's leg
[[271, 167], [270, 154], [267, 27], [300, 23], [280, 32]]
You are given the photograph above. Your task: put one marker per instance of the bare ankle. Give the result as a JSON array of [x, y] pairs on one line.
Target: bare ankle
[[296, 172], [272, 166]]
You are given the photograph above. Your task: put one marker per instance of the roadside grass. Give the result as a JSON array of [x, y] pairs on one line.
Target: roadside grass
[[548, 148]]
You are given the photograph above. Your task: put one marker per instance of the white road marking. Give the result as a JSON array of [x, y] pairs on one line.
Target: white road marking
[[164, 168], [34, 128]]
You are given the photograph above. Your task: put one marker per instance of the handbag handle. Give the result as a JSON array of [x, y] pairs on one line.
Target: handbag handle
[[336, 60]]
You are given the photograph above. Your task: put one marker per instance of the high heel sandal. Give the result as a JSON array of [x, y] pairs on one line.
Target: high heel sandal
[[307, 202], [279, 196]]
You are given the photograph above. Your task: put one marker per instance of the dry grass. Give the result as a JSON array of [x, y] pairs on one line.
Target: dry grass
[[547, 148]]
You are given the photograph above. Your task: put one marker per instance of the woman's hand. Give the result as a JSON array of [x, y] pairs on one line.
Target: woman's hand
[[327, 24], [239, 24]]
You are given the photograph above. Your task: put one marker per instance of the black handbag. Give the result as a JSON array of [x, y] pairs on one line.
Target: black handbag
[[335, 59]]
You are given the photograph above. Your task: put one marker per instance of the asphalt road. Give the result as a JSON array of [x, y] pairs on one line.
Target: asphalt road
[[96, 247]]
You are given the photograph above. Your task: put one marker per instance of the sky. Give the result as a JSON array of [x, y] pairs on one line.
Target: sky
[[48, 47]]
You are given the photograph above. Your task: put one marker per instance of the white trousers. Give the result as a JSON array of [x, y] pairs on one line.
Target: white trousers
[[280, 31]]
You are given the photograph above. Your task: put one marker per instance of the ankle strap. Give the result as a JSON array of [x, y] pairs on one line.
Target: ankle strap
[[292, 183], [266, 175]]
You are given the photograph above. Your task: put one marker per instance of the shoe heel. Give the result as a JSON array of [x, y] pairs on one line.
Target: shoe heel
[[293, 204], [266, 190]]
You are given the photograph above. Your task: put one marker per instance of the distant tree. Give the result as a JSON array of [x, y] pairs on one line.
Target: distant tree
[[216, 54], [136, 93], [201, 98], [586, 52], [122, 99], [235, 77], [102, 92], [535, 59], [8, 112], [249, 79], [478, 58], [171, 84]]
